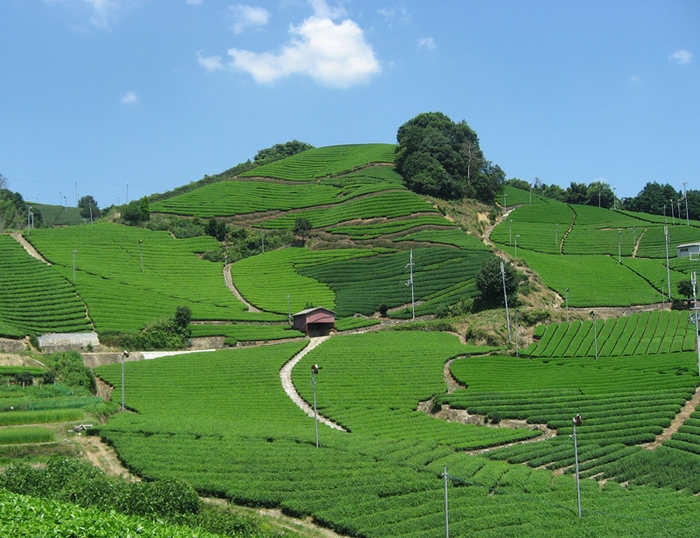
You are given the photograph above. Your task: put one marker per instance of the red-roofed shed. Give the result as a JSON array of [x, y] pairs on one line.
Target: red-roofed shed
[[314, 321]]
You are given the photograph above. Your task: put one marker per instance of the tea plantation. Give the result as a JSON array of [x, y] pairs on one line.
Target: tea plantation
[[415, 404]]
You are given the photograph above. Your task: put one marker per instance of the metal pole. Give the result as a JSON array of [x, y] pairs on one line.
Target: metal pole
[[125, 354], [505, 202], [556, 234], [595, 333], [447, 508], [619, 251], [74, 252], [516, 244], [410, 283], [314, 371], [141, 254], [567, 303], [693, 279], [673, 218], [505, 296], [577, 422], [510, 233], [517, 350], [685, 195], [663, 296], [668, 267]]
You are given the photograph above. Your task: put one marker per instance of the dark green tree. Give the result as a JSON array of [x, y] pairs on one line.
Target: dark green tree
[[685, 288], [302, 227], [577, 193], [489, 281], [280, 151], [441, 158], [182, 319], [88, 207], [600, 194], [654, 198], [217, 229]]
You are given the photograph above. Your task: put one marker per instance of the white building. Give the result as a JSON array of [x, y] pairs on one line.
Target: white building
[[689, 250]]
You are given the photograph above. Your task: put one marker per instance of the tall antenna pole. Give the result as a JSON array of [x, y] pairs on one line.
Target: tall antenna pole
[[410, 283], [447, 511], [505, 296], [693, 280], [668, 267], [685, 195]]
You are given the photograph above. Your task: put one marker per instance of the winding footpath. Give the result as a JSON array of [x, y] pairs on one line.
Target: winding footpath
[[229, 284], [290, 389]]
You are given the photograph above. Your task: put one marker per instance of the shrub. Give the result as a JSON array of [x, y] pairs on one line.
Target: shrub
[[383, 309]]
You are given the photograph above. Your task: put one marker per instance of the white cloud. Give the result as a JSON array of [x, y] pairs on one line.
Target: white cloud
[[209, 63], [194, 2], [634, 78], [333, 54], [392, 14], [681, 57], [129, 98], [427, 43], [324, 11], [104, 11], [248, 17]]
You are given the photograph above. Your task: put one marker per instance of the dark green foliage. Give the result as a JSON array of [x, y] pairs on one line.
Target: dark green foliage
[[654, 198], [438, 157], [216, 228], [24, 378], [88, 207], [489, 281], [302, 227], [13, 211], [280, 151], [383, 309], [685, 288], [70, 371], [183, 317]]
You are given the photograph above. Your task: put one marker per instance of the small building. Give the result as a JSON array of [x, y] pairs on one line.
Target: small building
[[316, 321], [689, 250]]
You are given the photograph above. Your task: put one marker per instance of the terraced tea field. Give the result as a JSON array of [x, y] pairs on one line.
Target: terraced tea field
[[383, 477]]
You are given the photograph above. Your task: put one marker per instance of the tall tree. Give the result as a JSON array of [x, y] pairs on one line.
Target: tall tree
[[654, 198], [88, 207], [441, 158]]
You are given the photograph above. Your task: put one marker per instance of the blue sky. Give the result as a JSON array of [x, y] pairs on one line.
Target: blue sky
[[125, 98]]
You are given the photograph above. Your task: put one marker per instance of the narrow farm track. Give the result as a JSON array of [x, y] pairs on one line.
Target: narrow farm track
[[688, 409], [29, 247], [230, 285], [290, 389], [638, 242]]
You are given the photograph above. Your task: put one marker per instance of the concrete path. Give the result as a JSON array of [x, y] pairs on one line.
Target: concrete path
[[290, 389]]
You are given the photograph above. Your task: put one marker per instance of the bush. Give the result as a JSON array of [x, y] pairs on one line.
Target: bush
[[383, 309], [24, 378]]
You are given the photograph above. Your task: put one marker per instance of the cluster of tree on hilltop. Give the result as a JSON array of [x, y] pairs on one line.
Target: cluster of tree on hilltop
[[441, 158], [654, 198], [14, 212]]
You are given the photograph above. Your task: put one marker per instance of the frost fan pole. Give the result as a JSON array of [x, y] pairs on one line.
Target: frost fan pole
[[505, 296], [693, 280], [410, 283], [668, 268], [447, 511]]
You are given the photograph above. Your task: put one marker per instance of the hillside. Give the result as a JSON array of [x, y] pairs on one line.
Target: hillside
[[422, 412]]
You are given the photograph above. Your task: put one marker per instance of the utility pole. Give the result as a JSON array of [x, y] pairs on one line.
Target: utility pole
[[505, 296], [668, 267], [314, 371], [566, 291], [693, 280], [141, 254], [445, 476], [685, 195], [74, 253], [595, 332], [409, 282], [125, 354], [619, 251], [577, 421]]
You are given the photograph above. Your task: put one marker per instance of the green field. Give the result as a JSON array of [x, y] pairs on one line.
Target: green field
[[383, 477]]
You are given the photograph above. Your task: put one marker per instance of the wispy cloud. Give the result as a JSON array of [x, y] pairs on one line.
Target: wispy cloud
[[396, 13], [681, 57], [634, 78], [248, 17], [194, 2], [427, 43], [334, 54], [129, 98], [210, 63], [104, 12]]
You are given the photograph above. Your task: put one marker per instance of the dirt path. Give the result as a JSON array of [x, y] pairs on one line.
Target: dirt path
[[290, 389], [677, 422], [29, 247], [229, 284], [638, 242]]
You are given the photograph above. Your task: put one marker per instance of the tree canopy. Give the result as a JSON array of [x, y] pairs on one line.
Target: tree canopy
[[489, 281], [280, 151], [441, 158], [88, 207]]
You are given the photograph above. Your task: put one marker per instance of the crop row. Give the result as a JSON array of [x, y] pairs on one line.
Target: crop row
[[209, 422], [638, 334], [440, 275], [391, 226], [385, 204], [34, 298], [327, 161]]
